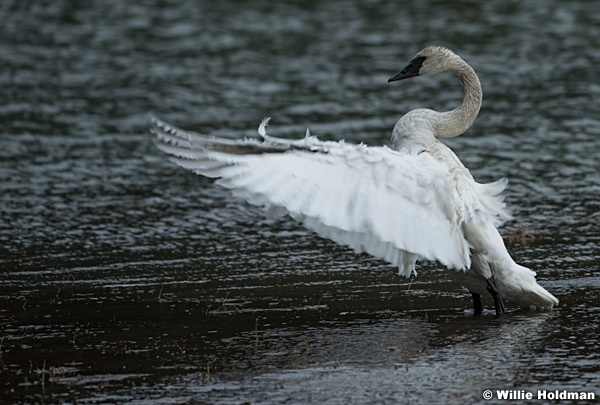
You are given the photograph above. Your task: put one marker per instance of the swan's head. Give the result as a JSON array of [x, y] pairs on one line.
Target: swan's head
[[429, 61]]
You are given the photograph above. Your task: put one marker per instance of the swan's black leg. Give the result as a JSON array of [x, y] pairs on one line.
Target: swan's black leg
[[492, 287], [477, 307]]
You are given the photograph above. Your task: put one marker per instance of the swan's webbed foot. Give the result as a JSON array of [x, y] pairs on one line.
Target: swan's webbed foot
[[492, 287], [477, 306]]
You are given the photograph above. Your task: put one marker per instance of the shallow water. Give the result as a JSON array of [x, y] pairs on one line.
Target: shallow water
[[125, 279]]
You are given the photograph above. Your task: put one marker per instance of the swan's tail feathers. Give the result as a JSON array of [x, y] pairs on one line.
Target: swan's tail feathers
[[521, 287]]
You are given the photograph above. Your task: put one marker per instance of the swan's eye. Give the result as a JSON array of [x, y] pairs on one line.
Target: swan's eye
[[415, 65], [418, 62]]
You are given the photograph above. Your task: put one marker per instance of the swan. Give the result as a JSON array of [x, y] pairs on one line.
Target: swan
[[412, 201]]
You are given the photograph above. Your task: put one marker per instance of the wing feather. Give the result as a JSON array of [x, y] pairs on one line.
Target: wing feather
[[394, 206]]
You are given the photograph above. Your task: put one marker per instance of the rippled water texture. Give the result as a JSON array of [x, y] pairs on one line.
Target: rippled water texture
[[125, 279]]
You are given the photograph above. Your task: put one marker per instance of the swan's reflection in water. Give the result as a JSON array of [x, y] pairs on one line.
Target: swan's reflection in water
[[399, 360]]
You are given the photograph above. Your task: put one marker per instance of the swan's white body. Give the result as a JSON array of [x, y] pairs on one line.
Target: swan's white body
[[413, 201]]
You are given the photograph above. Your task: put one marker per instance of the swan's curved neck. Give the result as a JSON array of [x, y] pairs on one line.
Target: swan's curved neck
[[455, 122]]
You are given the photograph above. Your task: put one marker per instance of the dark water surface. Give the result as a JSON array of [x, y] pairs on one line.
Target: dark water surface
[[125, 279]]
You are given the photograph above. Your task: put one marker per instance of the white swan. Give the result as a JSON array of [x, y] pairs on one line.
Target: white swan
[[413, 201]]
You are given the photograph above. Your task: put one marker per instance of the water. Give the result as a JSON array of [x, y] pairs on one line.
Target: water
[[124, 279]]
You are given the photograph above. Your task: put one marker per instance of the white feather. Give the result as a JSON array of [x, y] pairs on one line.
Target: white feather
[[392, 205], [262, 128]]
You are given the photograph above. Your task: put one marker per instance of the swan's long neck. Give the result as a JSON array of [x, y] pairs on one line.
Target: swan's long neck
[[453, 123]]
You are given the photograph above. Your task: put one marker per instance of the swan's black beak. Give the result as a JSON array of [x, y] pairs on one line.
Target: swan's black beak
[[411, 70]]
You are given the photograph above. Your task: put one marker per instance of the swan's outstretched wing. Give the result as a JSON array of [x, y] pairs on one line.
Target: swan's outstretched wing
[[397, 207]]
